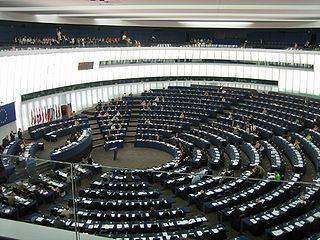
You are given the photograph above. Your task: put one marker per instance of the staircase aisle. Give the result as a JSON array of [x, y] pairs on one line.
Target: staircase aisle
[[132, 127], [97, 137]]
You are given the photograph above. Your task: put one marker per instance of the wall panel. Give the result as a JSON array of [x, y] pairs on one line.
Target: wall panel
[[23, 72]]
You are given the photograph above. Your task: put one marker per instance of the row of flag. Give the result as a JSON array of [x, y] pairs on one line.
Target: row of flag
[[44, 114]]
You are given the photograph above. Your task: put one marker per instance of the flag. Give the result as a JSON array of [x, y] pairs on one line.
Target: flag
[[45, 116], [41, 115], [54, 115], [31, 117], [35, 117], [7, 114], [58, 113], [38, 116], [49, 114]]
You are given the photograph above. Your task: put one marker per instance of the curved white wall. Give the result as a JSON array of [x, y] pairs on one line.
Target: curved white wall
[[23, 72], [86, 98]]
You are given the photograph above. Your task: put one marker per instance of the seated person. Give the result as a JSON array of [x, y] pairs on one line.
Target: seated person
[[76, 122], [78, 134], [73, 138], [152, 213], [114, 118], [5, 141], [264, 111], [302, 200], [143, 104], [236, 129], [3, 174], [309, 137], [201, 195], [106, 114], [296, 144], [118, 114], [57, 223], [11, 200], [158, 138], [253, 128], [66, 212], [258, 146], [147, 121], [21, 147], [113, 127], [67, 142], [197, 177], [90, 160], [277, 176], [258, 172]]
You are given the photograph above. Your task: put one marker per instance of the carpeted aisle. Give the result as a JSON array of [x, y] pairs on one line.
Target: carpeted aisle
[[131, 157]]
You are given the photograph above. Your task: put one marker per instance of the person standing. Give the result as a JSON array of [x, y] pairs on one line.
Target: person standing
[[12, 136], [59, 35], [20, 134]]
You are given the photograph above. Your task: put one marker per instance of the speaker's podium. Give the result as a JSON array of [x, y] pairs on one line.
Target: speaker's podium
[[115, 153]]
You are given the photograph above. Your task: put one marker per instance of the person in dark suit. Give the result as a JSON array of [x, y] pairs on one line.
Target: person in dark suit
[[90, 160], [20, 134], [3, 174], [58, 223], [5, 141], [12, 136], [153, 214]]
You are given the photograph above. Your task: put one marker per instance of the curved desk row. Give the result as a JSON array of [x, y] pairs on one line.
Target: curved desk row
[[7, 162], [75, 149], [113, 144], [175, 152], [26, 157], [65, 130], [41, 130]]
